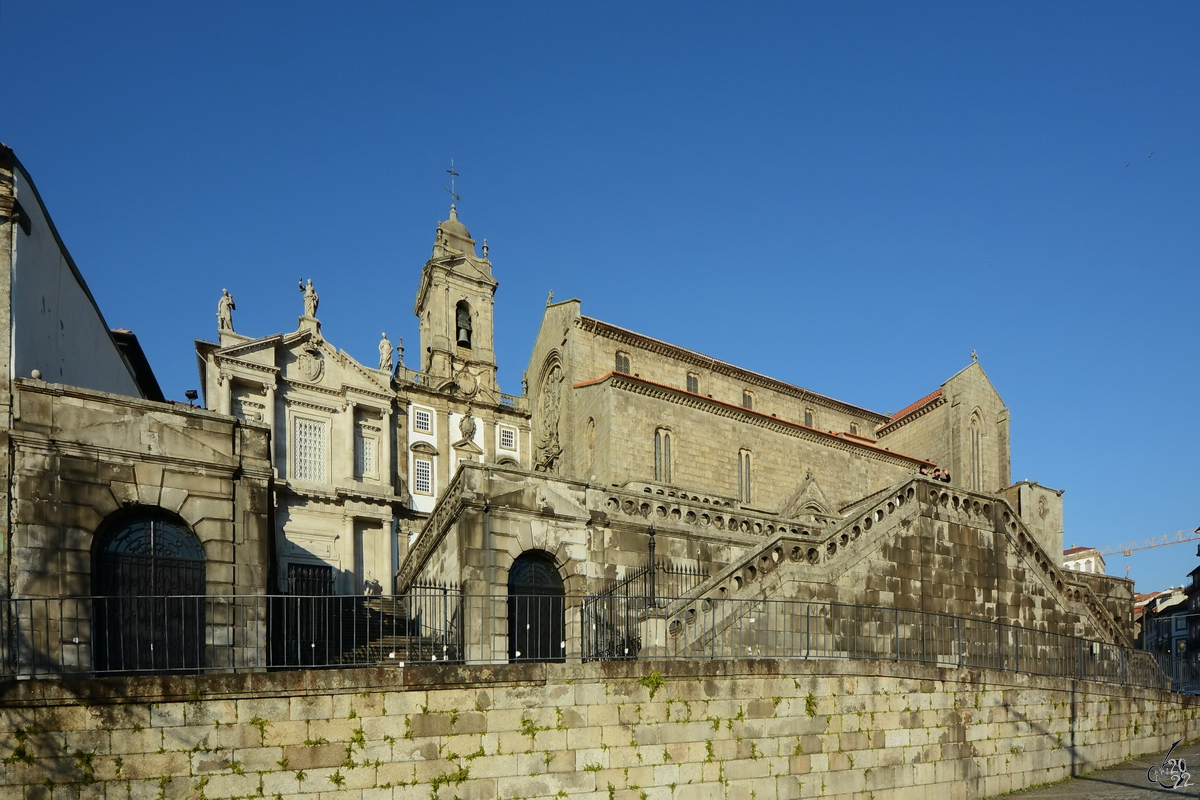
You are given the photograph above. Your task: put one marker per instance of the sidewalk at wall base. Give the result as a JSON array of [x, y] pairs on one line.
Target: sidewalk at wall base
[[1127, 781]]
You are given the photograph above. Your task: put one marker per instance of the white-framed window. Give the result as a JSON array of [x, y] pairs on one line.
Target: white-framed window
[[422, 420], [508, 438], [423, 476], [309, 451]]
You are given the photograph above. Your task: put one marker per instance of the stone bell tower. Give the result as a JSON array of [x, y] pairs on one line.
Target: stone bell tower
[[454, 304]]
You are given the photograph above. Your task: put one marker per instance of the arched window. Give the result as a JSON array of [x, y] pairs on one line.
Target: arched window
[[976, 452], [536, 630], [622, 365], [662, 455], [747, 399], [148, 573], [589, 441], [808, 417], [462, 323], [744, 476]]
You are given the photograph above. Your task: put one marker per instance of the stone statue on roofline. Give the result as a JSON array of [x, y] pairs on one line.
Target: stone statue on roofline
[[310, 299], [385, 353], [225, 309]]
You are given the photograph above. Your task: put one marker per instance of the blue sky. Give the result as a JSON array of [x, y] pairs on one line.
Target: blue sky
[[847, 196]]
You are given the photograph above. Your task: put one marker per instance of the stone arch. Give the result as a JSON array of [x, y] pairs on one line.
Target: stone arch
[[536, 599], [149, 575]]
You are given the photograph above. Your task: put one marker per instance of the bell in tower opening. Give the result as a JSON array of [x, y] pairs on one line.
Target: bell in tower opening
[[463, 324]]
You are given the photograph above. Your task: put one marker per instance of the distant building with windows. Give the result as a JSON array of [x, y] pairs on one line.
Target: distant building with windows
[[1083, 559]]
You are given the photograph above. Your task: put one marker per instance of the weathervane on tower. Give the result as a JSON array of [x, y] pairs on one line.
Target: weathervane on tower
[[453, 175]]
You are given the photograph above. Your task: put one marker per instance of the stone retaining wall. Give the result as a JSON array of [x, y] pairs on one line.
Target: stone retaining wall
[[615, 731]]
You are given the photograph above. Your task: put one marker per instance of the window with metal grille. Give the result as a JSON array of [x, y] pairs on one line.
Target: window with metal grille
[[508, 438], [309, 451], [693, 383], [423, 476], [422, 421], [364, 455]]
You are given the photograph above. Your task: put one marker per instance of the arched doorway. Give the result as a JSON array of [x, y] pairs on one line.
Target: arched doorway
[[535, 609], [148, 575]]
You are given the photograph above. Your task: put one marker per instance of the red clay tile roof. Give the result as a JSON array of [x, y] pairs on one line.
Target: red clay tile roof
[[929, 398], [1073, 550]]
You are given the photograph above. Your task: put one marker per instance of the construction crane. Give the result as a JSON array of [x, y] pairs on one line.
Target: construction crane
[[1179, 537]]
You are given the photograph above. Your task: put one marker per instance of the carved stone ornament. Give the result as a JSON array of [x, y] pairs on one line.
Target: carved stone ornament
[[548, 447], [466, 426], [468, 384], [311, 364]]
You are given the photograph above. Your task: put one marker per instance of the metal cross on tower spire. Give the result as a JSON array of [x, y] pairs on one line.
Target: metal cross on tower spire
[[453, 175]]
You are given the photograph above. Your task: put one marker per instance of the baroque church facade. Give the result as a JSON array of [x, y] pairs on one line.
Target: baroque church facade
[[362, 451]]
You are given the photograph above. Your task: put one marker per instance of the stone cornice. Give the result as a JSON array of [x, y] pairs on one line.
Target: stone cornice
[[916, 413], [699, 360], [657, 391]]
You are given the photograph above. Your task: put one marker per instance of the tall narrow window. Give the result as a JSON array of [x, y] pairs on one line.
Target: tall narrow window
[[747, 399], [808, 417], [693, 383], [744, 476], [309, 454], [854, 428], [976, 453], [422, 476], [365, 446], [622, 363], [662, 455]]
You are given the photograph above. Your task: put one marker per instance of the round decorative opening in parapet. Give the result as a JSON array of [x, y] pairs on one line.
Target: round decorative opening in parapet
[[690, 517], [796, 554], [770, 530], [856, 531], [879, 515], [690, 616], [813, 555], [706, 605], [660, 512], [704, 519], [675, 514], [751, 572], [629, 507], [909, 493], [954, 501], [891, 508], [675, 628], [719, 521], [868, 524], [737, 582], [831, 548], [613, 504], [777, 554], [845, 539]]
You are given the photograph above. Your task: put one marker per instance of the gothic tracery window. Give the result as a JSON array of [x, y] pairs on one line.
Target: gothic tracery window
[[662, 455]]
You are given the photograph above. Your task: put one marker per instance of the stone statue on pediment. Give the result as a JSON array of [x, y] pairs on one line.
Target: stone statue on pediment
[[310, 299], [385, 353], [225, 309]]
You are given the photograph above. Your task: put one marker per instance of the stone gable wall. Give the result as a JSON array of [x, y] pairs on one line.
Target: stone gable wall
[[618, 731]]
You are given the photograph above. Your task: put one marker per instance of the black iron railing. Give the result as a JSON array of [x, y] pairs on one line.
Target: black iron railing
[[436, 623]]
